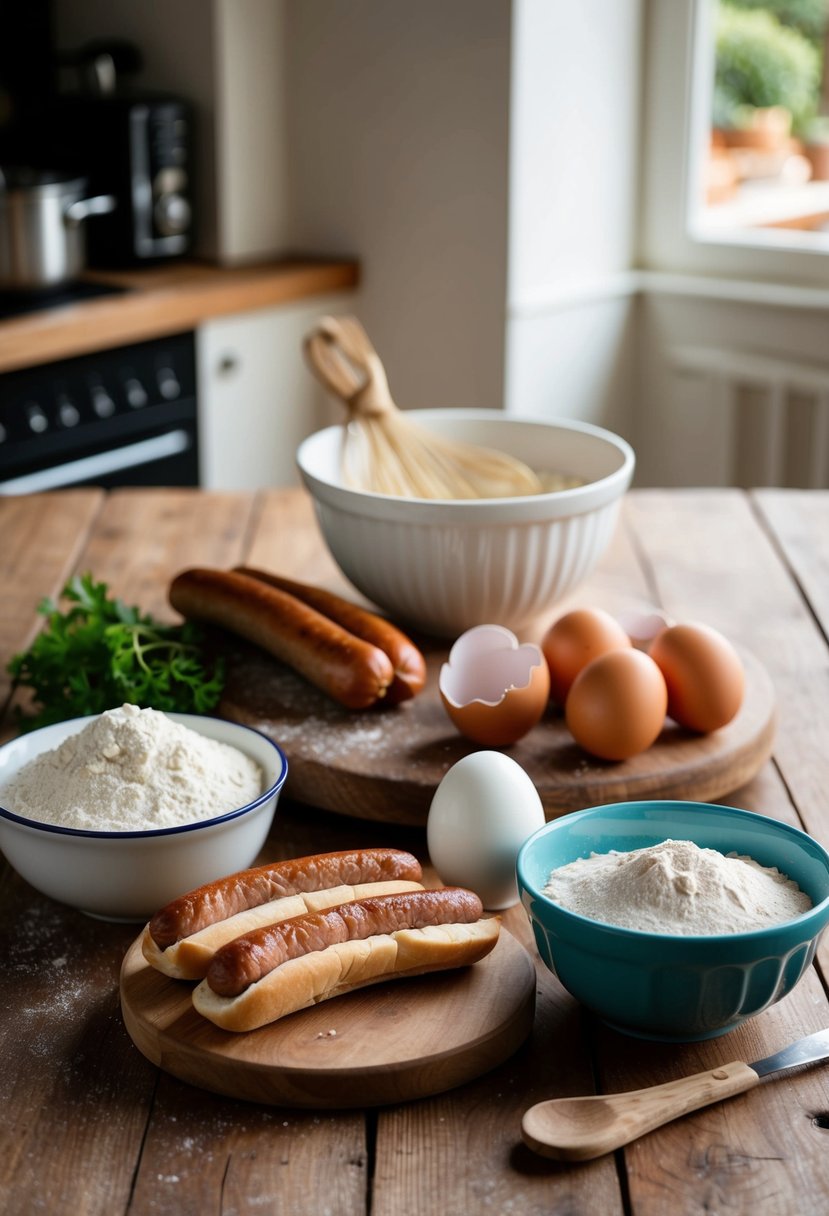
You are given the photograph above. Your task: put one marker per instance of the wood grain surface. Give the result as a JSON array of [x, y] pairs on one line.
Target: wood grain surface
[[92, 1128], [387, 764], [390, 1042]]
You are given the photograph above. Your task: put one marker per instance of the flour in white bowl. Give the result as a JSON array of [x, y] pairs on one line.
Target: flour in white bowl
[[133, 769], [677, 887]]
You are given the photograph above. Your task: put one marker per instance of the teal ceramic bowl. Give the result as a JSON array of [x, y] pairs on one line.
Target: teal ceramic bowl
[[667, 986]]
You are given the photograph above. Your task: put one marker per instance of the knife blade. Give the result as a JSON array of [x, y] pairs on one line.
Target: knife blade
[[803, 1051]]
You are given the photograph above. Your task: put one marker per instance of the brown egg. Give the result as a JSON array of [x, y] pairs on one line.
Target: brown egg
[[494, 689], [574, 640], [704, 675], [616, 706]]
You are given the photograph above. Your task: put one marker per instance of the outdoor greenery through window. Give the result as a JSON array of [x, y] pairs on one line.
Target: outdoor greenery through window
[[767, 164]]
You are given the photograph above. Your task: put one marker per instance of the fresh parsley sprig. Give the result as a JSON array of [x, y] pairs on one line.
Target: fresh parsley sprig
[[100, 653]]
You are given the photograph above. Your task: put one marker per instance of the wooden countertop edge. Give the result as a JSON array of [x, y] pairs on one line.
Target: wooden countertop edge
[[163, 301]]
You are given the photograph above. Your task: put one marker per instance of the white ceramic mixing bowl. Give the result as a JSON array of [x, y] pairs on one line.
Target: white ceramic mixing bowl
[[130, 875], [443, 566]]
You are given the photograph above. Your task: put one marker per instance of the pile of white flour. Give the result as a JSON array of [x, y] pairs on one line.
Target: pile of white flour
[[130, 770], [677, 887]]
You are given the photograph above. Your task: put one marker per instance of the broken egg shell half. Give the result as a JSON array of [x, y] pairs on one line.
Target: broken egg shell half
[[493, 687], [642, 625]]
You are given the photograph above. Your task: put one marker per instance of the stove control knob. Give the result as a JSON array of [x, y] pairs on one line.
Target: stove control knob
[[136, 393], [102, 403], [37, 420], [168, 384], [68, 414]]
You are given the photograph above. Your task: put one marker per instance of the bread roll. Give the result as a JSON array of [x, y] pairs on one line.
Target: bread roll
[[346, 967], [189, 958]]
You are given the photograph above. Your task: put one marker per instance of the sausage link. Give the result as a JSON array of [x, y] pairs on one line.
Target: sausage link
[[216, 901], [352, 671], [246, 959], [408, 662]]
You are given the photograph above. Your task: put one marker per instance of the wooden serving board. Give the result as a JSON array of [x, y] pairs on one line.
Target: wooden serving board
[[385, 764], [390, 1042]]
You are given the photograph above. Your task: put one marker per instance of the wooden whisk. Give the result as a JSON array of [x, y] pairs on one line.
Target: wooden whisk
[[384, 450]]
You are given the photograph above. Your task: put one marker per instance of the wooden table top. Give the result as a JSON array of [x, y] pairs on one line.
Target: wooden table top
[[90, 1126]]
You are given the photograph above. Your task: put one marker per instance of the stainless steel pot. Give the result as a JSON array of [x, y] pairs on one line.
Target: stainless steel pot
[[42, 237]]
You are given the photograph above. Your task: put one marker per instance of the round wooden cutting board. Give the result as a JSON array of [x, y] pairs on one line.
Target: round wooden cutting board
[[386, 764], [391, 1042]]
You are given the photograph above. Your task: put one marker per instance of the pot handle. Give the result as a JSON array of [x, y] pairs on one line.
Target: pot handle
[[84, 207]]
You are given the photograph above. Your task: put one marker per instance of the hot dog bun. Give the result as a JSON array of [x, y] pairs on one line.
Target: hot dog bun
[[225, 897], [189, 958], [345, 967], [248, 958]]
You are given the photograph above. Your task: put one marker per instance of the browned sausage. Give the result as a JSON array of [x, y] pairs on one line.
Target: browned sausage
[[246, 959], [225, 897], [352, 671], [408, 662]]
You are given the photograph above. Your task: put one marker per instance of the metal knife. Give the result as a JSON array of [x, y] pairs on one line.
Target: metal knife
[[578, 1129]]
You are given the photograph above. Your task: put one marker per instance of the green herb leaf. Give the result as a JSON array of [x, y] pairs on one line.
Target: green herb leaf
[[99, 653]]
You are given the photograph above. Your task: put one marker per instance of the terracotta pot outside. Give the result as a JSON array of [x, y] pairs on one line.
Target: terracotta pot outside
[[818, 156], [769, 130]]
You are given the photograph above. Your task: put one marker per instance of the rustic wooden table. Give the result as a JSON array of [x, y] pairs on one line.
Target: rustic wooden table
[[89, 1126]]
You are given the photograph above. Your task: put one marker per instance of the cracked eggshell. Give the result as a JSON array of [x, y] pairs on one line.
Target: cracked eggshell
[[482, 812], [494, 688], [643, 625]]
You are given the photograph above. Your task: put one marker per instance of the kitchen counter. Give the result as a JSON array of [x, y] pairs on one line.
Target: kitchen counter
[[92, 1127], [162, 300]]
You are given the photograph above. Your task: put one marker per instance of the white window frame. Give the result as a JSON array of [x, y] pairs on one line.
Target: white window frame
[[676, 120]]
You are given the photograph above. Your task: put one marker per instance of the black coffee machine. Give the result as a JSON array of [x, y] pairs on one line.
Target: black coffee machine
[[130, 143]]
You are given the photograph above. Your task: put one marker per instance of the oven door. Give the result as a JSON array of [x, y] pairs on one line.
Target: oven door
[[168, 458], [119, 418]]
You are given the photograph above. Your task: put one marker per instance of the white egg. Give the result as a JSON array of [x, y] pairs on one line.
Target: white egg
[[484, 809]]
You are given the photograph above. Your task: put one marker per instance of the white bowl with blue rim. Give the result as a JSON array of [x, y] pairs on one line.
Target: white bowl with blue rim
[[130, 875]]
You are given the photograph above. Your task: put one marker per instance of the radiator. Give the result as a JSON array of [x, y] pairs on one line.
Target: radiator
[[763, 421]]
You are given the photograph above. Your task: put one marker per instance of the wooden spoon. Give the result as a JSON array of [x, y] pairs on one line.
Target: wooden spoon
[[578, 1129]]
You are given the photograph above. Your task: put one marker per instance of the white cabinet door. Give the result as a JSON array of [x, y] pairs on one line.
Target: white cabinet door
[[257, 397]]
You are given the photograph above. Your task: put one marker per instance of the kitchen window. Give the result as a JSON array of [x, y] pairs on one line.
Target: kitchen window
[[768, 227], [763, 151]]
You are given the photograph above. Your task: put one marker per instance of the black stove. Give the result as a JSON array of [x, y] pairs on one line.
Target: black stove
[[114, 417], [19, 303]]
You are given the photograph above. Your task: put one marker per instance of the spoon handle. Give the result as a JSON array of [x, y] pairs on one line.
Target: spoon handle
[[577, 1129]]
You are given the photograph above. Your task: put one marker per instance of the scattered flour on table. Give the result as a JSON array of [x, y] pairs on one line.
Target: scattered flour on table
[[677, 887], [133, 769]]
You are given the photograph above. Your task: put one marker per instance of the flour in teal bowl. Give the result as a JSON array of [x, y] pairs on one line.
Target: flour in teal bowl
[[677, 887]]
